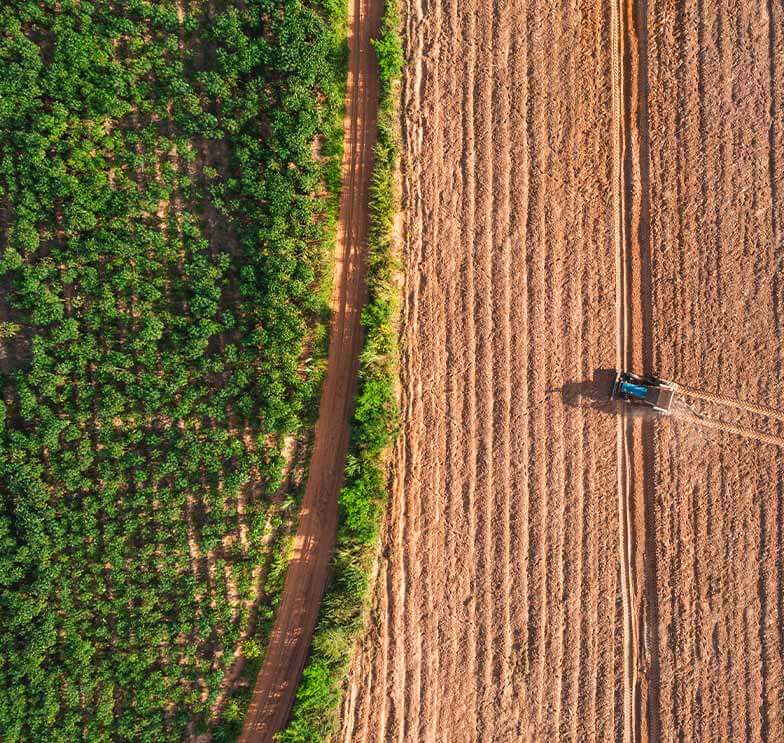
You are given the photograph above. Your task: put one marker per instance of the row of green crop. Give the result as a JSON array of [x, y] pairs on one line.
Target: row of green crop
[[362, 500], [163, 230]]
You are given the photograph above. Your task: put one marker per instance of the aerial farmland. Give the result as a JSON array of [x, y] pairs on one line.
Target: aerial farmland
[[391, 370]]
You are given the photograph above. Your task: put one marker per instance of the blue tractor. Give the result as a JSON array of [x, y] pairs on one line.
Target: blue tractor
[[639, 390]]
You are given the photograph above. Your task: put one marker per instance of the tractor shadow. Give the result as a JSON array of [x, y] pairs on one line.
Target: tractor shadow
[[594, 393]]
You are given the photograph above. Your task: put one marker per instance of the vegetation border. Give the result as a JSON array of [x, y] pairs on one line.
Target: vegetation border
[[227, 725]]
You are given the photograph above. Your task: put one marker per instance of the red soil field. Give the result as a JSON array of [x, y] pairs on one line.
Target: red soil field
[[585, 186], [714, 72]]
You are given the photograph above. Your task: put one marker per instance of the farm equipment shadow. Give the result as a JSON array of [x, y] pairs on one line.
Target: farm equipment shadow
[[595, 393]]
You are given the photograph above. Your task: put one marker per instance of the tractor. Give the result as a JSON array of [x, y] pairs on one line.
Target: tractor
[[650, 391]]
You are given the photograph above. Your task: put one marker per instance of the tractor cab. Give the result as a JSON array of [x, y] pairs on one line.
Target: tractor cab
[[644, 390]]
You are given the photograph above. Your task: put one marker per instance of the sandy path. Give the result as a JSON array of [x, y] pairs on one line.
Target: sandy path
[[497, 612], [307, 573]]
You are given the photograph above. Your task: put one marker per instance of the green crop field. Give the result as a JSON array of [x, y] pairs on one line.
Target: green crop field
[[167, 197]]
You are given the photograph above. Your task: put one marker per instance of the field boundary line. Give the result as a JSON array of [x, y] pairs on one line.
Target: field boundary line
[[635, 352], [625, 516]]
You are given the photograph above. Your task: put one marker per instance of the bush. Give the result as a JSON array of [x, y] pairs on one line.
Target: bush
[[166, 231]]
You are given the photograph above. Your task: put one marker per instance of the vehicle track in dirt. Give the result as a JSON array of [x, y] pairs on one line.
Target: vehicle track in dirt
[[732, 402], [621, 195], [636, 452], [308, 569]]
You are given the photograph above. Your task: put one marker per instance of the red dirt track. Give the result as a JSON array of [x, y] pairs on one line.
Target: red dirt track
[[307, 573], [585, 186]]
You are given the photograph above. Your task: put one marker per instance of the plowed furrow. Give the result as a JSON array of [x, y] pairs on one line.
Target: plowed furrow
[[715, 254], [502, 533], [501, 256], [451, 593], [484, 229]]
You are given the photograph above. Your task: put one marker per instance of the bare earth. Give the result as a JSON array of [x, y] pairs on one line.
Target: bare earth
[[717, 208], [586, 186], [307, 573]]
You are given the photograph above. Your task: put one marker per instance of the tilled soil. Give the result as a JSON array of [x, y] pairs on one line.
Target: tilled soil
[[308, 571], [548, 572], [716, 227], [497, 614]]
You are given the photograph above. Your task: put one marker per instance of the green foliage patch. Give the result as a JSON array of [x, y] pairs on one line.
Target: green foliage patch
[[164, 222]]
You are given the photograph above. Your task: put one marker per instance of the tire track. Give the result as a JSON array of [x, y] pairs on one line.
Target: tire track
[[719, 425], [732, 402], [621, 192], [635, 331]]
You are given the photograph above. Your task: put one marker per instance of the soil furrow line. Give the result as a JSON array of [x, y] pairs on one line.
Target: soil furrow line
[[575, 469], [439, 250], [530, 438], [398, 722], [539, 431], [394, 637], [426, 502], [470, 422], [571, 355], [401, 722], [485, 84], [502, 362], [520, 351], [452, 590]]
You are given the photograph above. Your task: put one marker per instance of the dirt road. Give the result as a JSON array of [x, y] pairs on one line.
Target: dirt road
[[307, 573], [586, 185]]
